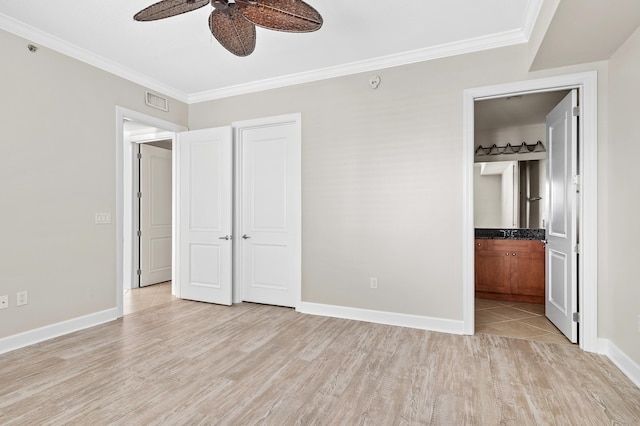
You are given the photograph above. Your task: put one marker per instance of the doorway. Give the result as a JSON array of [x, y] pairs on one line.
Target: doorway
[[587, 269], [126, 149], [510, 216]]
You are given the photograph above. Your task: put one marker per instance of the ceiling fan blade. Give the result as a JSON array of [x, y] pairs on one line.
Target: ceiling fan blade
[[234, 33], [168, 8], [294, 16]]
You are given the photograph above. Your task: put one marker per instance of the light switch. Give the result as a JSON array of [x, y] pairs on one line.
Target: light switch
[[102, 218]]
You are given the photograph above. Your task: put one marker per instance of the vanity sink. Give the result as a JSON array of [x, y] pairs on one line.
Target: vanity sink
[[510, 234]]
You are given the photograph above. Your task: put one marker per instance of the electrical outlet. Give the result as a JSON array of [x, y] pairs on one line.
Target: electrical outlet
[[374, 282], [4, 302], [21, 298]]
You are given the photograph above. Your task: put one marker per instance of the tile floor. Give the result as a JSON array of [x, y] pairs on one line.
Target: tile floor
[[518, 320], [138, 299]]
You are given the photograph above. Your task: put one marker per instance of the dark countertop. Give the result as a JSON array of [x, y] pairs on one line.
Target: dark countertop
[[510, 234]]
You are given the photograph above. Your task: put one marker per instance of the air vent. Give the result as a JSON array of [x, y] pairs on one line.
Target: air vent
[[156, 101]]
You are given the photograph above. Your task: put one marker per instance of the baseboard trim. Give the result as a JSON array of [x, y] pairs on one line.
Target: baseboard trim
[[628, 366], [382, 317], [17, 341]]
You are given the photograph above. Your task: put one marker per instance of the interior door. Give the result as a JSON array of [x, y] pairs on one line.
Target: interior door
[[155, 215], [205, 215], [561, 299], [270, 218]]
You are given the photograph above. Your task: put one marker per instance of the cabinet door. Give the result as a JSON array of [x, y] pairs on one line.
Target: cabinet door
[[493, 271], [527, 272]]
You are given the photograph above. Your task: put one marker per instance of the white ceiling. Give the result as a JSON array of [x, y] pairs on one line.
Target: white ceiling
[[179, 57]]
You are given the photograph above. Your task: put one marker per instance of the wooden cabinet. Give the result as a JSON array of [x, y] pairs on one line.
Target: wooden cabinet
[[511, 270]]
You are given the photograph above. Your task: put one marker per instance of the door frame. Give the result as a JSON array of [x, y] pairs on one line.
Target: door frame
[[587, 206], [238, 127], [124, 197]]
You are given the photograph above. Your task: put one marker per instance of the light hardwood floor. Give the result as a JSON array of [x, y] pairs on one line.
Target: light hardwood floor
[[138, 299], [191, 363]]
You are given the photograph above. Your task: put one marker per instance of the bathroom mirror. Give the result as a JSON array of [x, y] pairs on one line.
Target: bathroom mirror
[[510, 194]]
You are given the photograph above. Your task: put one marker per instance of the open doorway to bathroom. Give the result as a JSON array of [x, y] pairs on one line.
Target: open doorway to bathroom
[[510, 215]]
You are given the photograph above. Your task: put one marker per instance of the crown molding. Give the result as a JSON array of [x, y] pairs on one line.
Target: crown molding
[[530, 17], [44, 39], [493, 41]]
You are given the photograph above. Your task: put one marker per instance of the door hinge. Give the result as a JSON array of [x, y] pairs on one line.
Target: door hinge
[[576, 111], [139, 272], [577, 248], [576, 317], [139, 194], [139, 156], [577, 180], [139, 233]]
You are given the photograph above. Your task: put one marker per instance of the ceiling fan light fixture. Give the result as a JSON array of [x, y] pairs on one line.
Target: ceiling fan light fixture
[[233, 22], [234, 33], [293, 16], [168, 8]]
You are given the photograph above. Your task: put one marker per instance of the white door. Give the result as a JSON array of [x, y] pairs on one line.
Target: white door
[[204, 217], [155, 215], [270, 213], [561, 299]]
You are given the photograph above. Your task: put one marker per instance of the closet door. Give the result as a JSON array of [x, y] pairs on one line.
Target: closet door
[[269, 227], [205, 215]]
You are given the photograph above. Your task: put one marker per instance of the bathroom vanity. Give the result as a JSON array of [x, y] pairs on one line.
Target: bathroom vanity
[[510, 265]]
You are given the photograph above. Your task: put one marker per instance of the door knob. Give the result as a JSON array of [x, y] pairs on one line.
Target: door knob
[[245, 237], [226, 237]]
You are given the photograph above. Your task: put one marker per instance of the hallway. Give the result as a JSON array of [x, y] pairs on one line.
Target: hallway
[[138, 299]]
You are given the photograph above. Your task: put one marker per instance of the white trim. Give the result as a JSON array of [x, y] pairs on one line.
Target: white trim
[[531, 16], [238, 126], [588, 267], [382, 317], [124, 197], [37, 36], [629, 367], [47, 332], [492, 41]]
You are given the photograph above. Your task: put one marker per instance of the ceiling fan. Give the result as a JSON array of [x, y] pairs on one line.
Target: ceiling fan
[[233, 23]]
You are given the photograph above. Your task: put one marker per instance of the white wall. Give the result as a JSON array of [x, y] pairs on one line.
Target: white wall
[[57, 170], [382, 177], [620, 289], [487, 199]]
